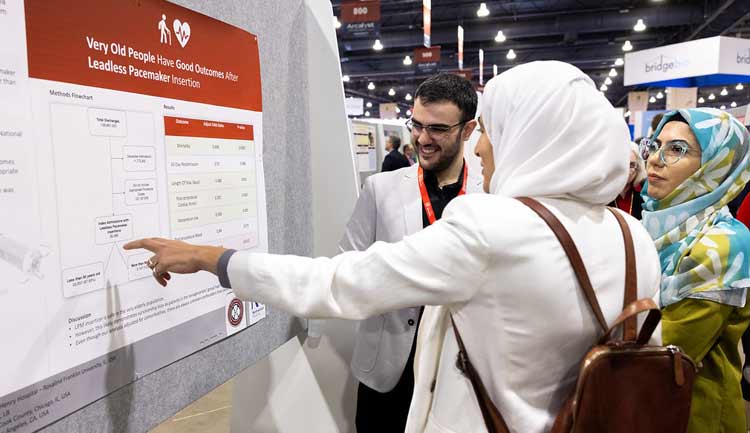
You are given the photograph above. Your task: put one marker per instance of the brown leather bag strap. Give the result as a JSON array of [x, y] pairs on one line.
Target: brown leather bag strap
[[630, 312], [573, 255], [492, 417], [630, 328]]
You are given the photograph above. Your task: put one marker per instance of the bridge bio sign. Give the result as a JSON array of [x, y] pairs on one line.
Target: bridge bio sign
[[717, 58]]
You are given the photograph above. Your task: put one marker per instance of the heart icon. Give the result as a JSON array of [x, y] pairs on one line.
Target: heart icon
[[182, 32]]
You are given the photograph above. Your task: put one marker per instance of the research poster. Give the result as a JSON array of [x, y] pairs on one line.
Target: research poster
[[364, 136], [118, 120]]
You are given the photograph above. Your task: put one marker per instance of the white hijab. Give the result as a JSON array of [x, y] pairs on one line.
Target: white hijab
[[554, 135]]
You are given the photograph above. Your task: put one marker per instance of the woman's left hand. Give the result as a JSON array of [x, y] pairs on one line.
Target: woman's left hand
[[177, 256]]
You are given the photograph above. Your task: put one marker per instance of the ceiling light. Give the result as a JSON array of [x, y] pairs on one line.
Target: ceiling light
[[511, 55], [711, 97], [659, 95], [371, 86], [500, 37], [627, 46], [608, 81], [407, 61], [666, 91], [345, 78], [369, 105], [639, 25], [619, 62], [336, 22], [613, 72], [483, 11], [408, 112], [701, 100], [652, 100], [723, 107], [377, 46], [391, 92], [367, 114], [408, 97], [626, 115], [733, 104], [494, 70], [724, 92], [398, 110], [739, 86], [603, 88]]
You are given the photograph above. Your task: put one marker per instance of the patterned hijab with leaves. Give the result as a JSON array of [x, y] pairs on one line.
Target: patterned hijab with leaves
[[704, 251]]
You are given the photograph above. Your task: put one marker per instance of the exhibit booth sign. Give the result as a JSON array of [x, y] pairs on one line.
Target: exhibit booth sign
[[705, 62], [427, 60], [361, 18]]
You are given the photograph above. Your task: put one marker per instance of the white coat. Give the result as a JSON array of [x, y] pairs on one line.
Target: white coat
[[501, 272], [493, 263], [389, 208]]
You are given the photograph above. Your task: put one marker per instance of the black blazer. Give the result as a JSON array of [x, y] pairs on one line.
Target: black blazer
[[394, 160]]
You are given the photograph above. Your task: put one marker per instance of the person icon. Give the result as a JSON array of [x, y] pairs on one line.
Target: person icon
[[165, 33]]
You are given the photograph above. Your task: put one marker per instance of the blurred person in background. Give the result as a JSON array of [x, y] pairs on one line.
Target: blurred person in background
[[394, 159], [629, 200], [409, 154]]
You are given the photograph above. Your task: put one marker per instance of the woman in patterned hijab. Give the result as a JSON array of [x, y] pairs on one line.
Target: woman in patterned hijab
[[697, 162]]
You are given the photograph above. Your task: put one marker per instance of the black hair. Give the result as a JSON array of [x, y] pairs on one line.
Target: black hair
[[447, 87], [678, 118], [655, 121], [395, 142]]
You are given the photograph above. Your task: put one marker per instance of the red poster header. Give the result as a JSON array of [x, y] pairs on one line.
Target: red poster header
[[148, 47], [360, 11], [184, 127], [427, 55]]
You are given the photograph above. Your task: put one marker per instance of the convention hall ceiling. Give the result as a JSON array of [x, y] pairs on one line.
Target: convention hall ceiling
[[587, 33]]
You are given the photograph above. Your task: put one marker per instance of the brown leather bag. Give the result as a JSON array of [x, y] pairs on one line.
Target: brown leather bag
[[624, 385]]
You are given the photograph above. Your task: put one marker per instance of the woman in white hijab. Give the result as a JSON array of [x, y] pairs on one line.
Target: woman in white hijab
[[490, 261]]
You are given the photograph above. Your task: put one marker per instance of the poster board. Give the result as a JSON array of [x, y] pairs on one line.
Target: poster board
[[364, 138], [125, 125], [140, 405]]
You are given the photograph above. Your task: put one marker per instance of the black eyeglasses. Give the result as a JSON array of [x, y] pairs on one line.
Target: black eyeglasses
[[432, 130]]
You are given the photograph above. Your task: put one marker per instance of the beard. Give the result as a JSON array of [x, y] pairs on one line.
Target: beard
[[448, 154]]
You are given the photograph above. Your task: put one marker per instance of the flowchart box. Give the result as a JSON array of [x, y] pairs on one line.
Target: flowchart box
[[83, 279], [114, 228], [139, 158], [140, 191], [138, 267], [108, 123]]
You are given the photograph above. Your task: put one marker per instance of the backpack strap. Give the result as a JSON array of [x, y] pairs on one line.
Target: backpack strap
[[573, 255], [630, 326], [492, 417]]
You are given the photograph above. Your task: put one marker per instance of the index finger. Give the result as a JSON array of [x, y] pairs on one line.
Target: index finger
[[148, 244]]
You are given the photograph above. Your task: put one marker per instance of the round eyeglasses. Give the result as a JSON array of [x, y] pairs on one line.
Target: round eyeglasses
[[669, 152]]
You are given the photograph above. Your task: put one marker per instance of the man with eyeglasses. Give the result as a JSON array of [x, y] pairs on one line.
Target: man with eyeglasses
[[396, 204]]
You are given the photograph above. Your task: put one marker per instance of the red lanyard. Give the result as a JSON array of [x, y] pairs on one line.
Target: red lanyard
[[426, 202]]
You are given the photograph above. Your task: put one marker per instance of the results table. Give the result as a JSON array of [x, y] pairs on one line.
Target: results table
[[211, 182]]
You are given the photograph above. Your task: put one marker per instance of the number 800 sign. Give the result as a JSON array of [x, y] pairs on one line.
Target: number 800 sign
[[360, 11]]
